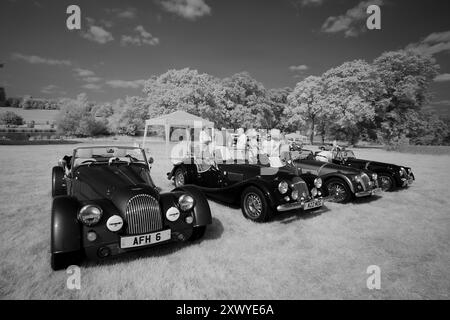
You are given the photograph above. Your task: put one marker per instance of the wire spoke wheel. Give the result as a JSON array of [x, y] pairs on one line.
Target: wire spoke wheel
[[337, 191], [385, 182], [179, 178], [253, 205]]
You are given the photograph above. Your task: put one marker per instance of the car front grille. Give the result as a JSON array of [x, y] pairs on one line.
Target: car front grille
[[143, 215], [365, 181], [302, 188]]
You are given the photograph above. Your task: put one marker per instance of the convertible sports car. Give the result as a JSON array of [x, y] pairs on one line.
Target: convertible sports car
[[262, 188], [390, 176], [341, 183], [105, 203]]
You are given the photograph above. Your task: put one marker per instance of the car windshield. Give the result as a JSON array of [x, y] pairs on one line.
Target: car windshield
[[344, 154], [105, 154]]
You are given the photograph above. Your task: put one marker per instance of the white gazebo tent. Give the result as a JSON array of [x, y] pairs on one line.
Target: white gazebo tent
[[179, 119]]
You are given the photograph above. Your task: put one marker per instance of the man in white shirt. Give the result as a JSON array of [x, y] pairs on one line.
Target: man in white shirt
[[241, 144]]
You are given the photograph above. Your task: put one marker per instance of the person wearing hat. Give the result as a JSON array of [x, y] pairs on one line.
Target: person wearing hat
[[241, 144], [253, 148]]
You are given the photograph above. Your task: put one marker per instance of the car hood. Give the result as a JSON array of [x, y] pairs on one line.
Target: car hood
[[374, 163], [321, 168], [111, 182]]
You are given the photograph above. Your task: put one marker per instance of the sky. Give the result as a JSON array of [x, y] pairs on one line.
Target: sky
[[279, 42]]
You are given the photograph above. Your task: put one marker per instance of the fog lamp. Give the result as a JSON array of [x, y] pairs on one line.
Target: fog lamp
[[91, 236], [314, 192], [189, 219], [294, 195]]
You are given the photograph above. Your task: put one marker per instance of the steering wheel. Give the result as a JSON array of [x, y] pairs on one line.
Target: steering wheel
[[132, 158]]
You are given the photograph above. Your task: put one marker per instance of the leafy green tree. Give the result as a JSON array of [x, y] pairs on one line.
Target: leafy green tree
[[406, 76], [352, 93], [10, 118], [306, 104], [76, 118], [183, 89]]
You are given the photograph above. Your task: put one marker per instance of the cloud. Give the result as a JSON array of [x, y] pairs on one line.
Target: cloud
[[49, 89], [442, 77], [40, 60], [83, 72], [309, 3], [141, 38], [97, 33], [188, 9], [126, 84], [128, 13], [352, 23], [92, 79], [92, 86], [434, 43], [298, 68]]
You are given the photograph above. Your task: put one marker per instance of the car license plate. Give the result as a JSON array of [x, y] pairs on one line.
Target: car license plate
[[313, 204], [144, 239], [376, 190]]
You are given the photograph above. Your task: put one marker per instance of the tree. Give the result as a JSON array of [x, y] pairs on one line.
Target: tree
[[305, 103], [10, 118], [352, 93], [183, 89], [76, 118], [277, 99], [242, 102], [406, 76], [132, 116]]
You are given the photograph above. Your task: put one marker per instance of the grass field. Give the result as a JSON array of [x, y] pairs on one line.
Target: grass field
[[305, 256]]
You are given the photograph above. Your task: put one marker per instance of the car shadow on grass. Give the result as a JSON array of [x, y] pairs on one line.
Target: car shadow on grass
[[289, 217], [364, 200], [285, 217], [213, 232]]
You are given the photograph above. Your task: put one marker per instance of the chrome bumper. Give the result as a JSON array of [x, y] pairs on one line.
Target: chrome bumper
[[295, 205], [367, 192]]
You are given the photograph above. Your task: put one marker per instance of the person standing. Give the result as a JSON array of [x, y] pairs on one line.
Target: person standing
[[241, 144]]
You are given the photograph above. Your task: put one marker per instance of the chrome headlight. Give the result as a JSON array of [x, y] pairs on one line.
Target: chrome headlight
[[358, 178], [294, 195], [186, 202], [314, 192], [374, 176], [318, 182], [402, 171], [90, 215], [283, 187]]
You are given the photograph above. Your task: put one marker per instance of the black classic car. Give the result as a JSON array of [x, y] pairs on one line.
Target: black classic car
[[390, 176], [262, 188], [105, 203], [341, 183]]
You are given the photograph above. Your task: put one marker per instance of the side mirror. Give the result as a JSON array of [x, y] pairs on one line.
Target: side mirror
[[62, 163], [151, 160]]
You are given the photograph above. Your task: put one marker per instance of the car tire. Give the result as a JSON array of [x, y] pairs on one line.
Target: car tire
[[342, 192], [179, 177], [254, 205], [197, 233], [58, 183], [62, 260], [386, 181]]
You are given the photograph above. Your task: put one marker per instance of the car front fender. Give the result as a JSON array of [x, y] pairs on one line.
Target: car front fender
[[201, 210], [65, 228]]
